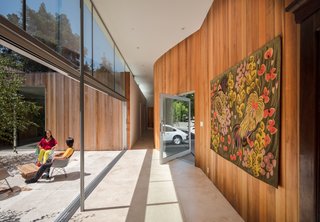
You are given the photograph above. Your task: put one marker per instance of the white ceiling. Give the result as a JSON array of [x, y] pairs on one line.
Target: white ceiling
[[145, 29]]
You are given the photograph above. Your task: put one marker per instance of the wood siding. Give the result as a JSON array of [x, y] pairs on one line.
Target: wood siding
[[150, 117], [138, 112], [103, 113], [231, 31]]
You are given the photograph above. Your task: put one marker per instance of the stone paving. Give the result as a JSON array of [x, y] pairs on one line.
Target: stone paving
[[44, 200]]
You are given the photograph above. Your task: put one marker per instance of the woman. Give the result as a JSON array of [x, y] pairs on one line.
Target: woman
[[46, 145], [60, 156]]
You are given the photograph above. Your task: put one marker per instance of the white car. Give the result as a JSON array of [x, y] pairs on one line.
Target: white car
[[174, 135]]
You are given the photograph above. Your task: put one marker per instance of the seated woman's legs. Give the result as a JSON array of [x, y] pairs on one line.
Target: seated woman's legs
[[46, 156], [41, 153]]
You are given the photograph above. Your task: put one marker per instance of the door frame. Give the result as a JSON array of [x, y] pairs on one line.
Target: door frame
[[306, 14], [162, 159]]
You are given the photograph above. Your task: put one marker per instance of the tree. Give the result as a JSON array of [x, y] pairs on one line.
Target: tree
[[180, 111], [55, 31], [14, 109]]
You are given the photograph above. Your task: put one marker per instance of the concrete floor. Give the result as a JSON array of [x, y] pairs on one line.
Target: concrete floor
[[136, 189], [43, 201], [145, 141]]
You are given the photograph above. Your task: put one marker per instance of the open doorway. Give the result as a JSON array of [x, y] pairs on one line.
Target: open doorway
[[191, 156]]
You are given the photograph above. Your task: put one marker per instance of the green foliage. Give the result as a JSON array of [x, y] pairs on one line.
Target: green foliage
[[191, 97], [14, 109], [180, 111]]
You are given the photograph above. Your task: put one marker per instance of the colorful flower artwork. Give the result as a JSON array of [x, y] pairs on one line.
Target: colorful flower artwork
[[245, 113]]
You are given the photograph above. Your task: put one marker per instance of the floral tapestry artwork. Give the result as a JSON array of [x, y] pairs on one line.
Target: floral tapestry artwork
[[245, 113]]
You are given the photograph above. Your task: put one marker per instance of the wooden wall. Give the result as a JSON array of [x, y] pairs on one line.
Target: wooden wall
[[103, 113], [138, 112], [232, 30], [150, 117]]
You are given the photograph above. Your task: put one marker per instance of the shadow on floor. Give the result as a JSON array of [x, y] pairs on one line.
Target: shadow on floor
[[6, 193], [61, 177], [137, 209]]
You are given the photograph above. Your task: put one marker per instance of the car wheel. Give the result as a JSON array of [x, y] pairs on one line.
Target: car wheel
[[177, 140]]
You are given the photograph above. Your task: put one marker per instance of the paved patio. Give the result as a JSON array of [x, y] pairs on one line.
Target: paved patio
[[43, 201], [136, 189]]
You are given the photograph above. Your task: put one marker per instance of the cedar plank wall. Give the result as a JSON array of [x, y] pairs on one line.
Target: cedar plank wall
[[103, 113], [231, 31], [137, 125], [134, 98], [127, 81]]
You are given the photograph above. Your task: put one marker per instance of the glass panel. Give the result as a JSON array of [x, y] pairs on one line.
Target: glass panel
[[119, 74], [57, 24], [103, 53], [24, 76], [12, 10], [69, 30], [175, 127], [88, 36]]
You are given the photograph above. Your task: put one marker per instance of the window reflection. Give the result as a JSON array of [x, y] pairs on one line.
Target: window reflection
[[88, 36], [12, 10], [103, 53], [57, 24], [119, 73]]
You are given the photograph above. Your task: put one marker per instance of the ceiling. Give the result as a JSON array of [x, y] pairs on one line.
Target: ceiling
[[145, 29]]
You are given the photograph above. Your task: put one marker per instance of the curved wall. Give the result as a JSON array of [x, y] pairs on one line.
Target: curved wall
[[230, 32]]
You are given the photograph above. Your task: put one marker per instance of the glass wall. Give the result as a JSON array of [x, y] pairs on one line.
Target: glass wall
[[119, 69], [88, 36], [103, 53], [17, 74], [57, 24], [12, 10]]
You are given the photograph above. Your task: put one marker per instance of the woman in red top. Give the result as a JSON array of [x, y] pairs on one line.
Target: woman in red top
[[46, 145]]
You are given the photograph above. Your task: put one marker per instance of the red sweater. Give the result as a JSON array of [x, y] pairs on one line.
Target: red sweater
[[47, 145]]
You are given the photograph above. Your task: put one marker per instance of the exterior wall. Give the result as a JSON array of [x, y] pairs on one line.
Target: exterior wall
[[231, 31], [103, 113]]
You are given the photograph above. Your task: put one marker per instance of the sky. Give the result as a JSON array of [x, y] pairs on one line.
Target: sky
[[68, 7], [71, 9]]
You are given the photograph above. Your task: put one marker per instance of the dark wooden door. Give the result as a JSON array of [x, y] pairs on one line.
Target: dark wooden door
[[318, 124], [307, 14], [309, 118]]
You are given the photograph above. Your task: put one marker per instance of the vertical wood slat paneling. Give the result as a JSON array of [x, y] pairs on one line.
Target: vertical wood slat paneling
[[290, 108], [103, 113], [231, 31], [99, 124]]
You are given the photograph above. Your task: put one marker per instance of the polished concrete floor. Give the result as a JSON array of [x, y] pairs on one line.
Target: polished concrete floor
[[136, 189], [139, 189], [145, 141]]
